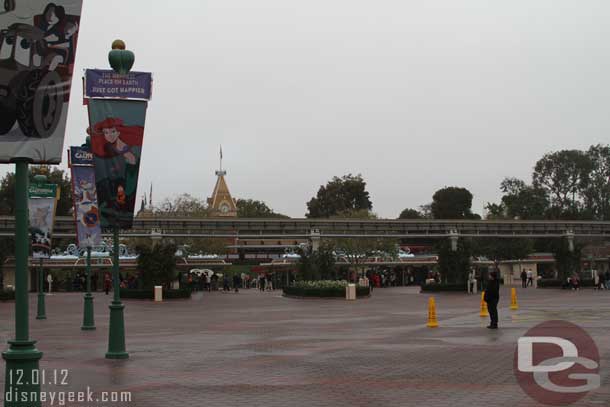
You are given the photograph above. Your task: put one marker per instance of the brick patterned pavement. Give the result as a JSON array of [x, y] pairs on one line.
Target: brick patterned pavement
[[259, 349]]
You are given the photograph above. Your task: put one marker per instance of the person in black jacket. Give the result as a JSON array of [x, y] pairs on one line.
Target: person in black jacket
[[492, 296]]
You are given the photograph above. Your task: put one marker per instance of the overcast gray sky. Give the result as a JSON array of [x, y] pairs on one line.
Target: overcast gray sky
[[414, 95]]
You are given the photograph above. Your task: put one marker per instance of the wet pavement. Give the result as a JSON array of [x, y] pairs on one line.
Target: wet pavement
[[260, 349]]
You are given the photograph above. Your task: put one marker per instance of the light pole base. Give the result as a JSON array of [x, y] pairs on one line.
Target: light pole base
[[21, 373], [116, 333], [88, 319], [41, 309]]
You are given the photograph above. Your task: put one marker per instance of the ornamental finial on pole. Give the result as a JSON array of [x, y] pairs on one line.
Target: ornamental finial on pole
[[121, 60]]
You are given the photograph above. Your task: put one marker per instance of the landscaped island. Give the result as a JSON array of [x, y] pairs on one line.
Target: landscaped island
[[322, 289]]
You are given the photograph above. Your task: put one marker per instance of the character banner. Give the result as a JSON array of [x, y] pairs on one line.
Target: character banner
[[109, 84], [41, 206], [86, 212], [37, 49], [116, 128]]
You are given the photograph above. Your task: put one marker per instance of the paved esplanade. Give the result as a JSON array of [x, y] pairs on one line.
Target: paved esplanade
[[258, 349]]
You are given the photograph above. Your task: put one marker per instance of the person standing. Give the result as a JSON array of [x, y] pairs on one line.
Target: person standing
[[523, 279], [107, 283], [492, 297], [50, 281], [530, 277]]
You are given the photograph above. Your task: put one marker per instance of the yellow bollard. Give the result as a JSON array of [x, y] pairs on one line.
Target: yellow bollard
[[484, 312], [432, 322], [513, 299]]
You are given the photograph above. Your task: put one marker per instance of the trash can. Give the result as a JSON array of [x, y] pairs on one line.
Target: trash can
[[158, 293], [350, 292]]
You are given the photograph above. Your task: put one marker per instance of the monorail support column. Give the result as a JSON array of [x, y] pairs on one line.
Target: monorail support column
[[454, 237], [314, 238], [570, 237]]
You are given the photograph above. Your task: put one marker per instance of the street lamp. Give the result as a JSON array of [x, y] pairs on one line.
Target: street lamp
[[22, 357], [41, 308], [88, 318]]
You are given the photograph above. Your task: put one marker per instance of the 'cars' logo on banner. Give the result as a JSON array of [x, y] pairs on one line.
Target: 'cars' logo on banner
[[557, 363]]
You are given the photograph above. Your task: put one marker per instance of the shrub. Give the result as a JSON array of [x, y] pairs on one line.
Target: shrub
[[323, 289], [7, 295], [135, 294]]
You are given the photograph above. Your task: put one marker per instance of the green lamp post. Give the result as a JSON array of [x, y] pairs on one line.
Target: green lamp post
[[88, 318], [121, 62], [41, 308], [88, 313], [22, 357]]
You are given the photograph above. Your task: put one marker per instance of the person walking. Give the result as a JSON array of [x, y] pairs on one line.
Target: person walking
[[596, 279], [236, 282], [492, 297], [107, 283], [523, 279], [602, 281], [225, 284]]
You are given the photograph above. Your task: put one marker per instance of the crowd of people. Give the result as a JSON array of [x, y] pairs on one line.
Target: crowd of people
[[227, 283]]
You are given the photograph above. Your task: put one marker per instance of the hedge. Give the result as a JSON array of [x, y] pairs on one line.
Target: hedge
[[7, 295], [361, 292], [136, 294], [555, 283]]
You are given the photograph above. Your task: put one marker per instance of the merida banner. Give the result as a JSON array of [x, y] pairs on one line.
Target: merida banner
[[41, 206], [117, 133], [84, 195], [37, 48]]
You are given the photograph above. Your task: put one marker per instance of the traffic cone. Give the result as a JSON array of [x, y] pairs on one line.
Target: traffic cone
[[432, 322], [513, 299], [484, 312]]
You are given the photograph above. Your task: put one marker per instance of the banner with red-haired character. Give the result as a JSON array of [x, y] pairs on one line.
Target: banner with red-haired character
[[117, 132]]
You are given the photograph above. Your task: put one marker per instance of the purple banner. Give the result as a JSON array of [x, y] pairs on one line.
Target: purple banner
[[80, 156], [100, 83], [84, 193]]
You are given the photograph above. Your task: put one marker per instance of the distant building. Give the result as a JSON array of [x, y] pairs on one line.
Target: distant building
[[221, 203]]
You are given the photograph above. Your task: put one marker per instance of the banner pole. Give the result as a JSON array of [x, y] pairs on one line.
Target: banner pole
[[88, 314], [41, 309], [22, 357], [116, 333]]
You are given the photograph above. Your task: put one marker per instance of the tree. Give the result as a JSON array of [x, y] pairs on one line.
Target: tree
[[356, 251], [410, 214], [54, 176], [563, 175], [157, 263], [317, 265], [183, 205], [249, 208], [566, 261], [454, 265], [520, 201], [452, 203], [338, 196], [596, 194], [205, 246], [498, 249]]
